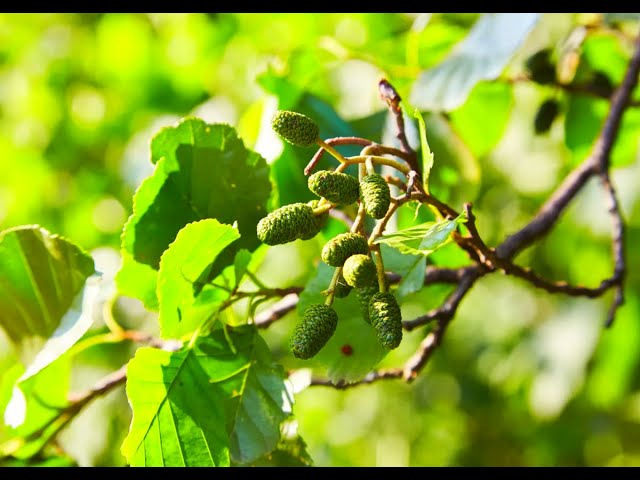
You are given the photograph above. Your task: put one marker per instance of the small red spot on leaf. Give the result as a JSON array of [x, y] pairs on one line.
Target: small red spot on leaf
[[346, 350]]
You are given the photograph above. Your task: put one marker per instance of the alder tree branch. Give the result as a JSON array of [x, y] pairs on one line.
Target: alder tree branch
[[390, 96], [488, 260]]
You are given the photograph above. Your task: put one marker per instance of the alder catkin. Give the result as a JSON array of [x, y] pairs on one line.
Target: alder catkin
[[337, 187], [286, 224], [360, 271], [364, 294], [342, 246], [314, 330], [375, 195], [386, 318], [295, 128]]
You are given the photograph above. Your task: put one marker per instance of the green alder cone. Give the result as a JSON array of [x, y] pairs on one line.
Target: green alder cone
[[360, 271], [295, 128], [364, 296], [337, 187], [287, 224], [336, 251], [319, 222], [375, 195], [314, 330], [342, 288], [386, 318]]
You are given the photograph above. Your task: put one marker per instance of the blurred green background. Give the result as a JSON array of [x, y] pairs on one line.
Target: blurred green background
[[523, 377]]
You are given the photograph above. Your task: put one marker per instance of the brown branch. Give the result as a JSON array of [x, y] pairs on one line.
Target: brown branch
[[77, 402], [101, 387], [393, 180], [411, 182], [485, 254], [278, 310], [378, 149], [390, 96], [418, 360], [371, 377], [558, 286], [444, 313], [597, 161], [434, 275], [619, 271], [442, 207], [489, 259]]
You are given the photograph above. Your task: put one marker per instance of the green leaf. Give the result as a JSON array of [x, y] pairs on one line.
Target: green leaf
[[427, 154], [410, 267], [40, 276], [612, 375], [178, 413], [482, 120], [23, 401], [365, 352], [422, 239], [33, 411], [604, 53], [200, 406], [291, 451], [457, 178], [202, 171], [583, 121], [482, 55], [50, 461], [138, 280], [240, 266], [186, 300]]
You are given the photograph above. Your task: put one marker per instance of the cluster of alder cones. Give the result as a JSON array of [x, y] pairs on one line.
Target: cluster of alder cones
[[349, 252]]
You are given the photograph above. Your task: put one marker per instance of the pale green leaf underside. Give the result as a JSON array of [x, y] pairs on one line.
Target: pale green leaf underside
[[422, 239], [427, 154], [74, 324], [410, 267], [33, 410], [186, 300], [200, 406], [40, 274], [482, 55]]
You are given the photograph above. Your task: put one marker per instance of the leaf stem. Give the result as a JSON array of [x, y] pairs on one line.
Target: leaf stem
[[382, 277], [332, 286], [194, 337], [368, 164], [325, 207], [107, 315]]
